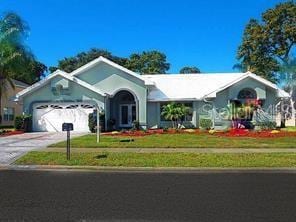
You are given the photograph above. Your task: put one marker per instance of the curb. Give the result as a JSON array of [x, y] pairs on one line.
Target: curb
[[149, 169]]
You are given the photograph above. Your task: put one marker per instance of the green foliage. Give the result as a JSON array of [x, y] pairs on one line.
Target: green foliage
[[7, 127], [136, 125], [145, 62], [15, 57], [189, 69], [148, 62], [18, 122], [16, 60], [92, 122], [205, 124], [175, 112], [267, 44], [266, 125], [72, 63], [23, 122]]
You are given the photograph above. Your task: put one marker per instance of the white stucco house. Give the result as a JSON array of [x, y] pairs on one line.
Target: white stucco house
[[125, 96]]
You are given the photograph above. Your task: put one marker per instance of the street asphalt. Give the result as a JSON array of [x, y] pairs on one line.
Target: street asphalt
[[32, 195]]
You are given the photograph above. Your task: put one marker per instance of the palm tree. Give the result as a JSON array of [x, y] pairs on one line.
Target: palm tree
[[175, 112], [13, 52]]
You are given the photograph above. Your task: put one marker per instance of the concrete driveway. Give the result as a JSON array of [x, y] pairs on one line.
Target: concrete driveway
[[13, 147]]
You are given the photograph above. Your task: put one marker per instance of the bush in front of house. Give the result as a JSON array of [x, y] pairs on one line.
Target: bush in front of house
[[205, 124], [136, 125], [23, 122], [18, 122], [92, 122], [175, 112]]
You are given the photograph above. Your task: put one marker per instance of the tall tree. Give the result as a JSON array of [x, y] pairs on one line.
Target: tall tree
[[24, 66], [12, 32], [69, 64], [267, 44], [148, 62], [189, 69]]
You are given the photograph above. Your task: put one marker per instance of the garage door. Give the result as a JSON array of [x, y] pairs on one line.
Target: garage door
[[50, 116]]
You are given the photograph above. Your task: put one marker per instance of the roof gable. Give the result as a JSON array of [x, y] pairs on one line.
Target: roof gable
[[102, 59], [63, 74]]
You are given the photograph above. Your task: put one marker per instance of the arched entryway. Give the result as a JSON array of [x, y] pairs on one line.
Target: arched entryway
[[123, 109], [242, 108]]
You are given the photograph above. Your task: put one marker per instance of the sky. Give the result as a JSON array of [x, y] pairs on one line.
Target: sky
[[202, 33]]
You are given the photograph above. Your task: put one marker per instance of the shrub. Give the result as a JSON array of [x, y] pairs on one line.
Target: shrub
[[205, 124], [92, 122], [23, 122], [266, 125], [7, 127], [136, 125], [19, 122]]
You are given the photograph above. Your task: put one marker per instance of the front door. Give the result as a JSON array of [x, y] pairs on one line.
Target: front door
[[127, 115]]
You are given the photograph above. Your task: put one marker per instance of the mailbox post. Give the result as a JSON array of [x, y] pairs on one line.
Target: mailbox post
[[68, 127]]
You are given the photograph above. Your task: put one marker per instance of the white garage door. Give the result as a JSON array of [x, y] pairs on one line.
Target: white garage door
[[50, 116]]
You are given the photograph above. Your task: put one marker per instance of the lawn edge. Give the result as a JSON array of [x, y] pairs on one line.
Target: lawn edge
[[151, 169]]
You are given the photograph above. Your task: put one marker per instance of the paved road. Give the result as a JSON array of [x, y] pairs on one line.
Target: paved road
[[111, 196], [12, 147]]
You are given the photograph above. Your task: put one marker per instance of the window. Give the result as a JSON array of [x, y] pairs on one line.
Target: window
[[247, 94], [72, 107], [42, 107], [56, 107], [86, 106], [8, 114], [188, 117]]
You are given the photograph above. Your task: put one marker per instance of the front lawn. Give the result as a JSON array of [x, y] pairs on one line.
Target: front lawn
[[161, 159], [202, 140]]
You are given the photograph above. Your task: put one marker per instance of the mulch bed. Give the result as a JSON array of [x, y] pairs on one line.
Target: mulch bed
[[229, 133], [11, 133]]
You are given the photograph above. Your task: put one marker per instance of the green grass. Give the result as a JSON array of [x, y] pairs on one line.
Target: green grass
[[181, 141], [289, 129], [161, 159]]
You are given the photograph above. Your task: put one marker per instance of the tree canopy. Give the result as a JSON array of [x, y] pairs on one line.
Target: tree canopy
[[69, 64], [146, 62], [189, 69], [23, 66], [267, 44]]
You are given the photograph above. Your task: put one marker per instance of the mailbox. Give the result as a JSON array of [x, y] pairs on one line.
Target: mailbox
[[67, 126]]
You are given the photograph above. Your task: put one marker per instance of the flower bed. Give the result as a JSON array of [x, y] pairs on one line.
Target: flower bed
[[150, 132], [229, 133], [255, 134]]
